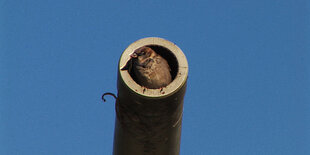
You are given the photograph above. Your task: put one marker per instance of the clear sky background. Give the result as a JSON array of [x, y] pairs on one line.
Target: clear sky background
[[248, 86]]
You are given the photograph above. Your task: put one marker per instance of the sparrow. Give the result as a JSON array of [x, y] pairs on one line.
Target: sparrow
[[150, 70]]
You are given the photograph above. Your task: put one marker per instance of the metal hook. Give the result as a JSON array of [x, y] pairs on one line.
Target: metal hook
[[108, 94]]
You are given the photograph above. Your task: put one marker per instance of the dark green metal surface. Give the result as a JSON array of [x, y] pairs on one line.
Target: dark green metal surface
[[148, 124]]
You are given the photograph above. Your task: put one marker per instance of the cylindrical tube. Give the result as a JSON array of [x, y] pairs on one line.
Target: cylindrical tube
[[149, 120]]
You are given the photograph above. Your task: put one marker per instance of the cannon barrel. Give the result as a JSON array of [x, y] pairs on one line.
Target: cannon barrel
[[149, 121]]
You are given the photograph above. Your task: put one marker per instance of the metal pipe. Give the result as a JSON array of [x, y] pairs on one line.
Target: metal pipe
[[149, 120]]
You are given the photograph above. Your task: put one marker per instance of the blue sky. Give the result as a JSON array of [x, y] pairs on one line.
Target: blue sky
[[248, 86]]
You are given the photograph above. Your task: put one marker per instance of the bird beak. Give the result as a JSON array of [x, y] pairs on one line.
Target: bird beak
[[134, 55]]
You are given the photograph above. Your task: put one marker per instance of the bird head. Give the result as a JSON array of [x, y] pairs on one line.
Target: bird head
[[143, 53]]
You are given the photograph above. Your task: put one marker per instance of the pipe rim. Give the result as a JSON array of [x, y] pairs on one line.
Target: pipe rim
[[174, 86]]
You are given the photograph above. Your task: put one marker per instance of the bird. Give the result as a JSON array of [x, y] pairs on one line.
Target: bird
[[150, 70]]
